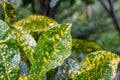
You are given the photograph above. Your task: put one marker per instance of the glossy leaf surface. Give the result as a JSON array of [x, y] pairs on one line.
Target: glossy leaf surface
[[4, 30], [52, 48], [36, 23], [9, 60], [10, 14], [26, 42], [101, 65], [9, 53], [84, 46]]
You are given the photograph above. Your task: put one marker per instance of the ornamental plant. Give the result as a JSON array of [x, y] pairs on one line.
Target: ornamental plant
[[43, 44]]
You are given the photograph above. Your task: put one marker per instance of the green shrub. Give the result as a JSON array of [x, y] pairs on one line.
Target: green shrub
[[44, 55]]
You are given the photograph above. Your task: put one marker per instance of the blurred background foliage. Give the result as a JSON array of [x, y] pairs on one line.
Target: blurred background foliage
[[90, 21]]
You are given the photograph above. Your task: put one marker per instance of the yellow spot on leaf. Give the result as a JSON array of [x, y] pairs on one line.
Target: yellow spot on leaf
[[1, 41], [47, 53], [89, 49], [56, 50], [62, 33], [51, 24], [0, 46], [4, 5], [87, 59], [54, 46], [23, 78], [53, 39], [6, 46], [44, 59], [58, 37]]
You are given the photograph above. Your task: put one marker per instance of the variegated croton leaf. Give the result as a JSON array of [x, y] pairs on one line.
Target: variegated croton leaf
[[9, 11], [100, 65], [35, 24], [9, 60], [9, 54], [26, 42], [79, 45], [52, 48]]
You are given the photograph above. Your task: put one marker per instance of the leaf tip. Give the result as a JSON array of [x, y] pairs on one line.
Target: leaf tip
[[69, 24]]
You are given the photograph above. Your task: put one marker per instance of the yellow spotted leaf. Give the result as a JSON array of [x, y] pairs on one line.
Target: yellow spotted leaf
[[35, 24], [10, 14], [9, 53], [84, 46], [26, 42], [100, 65], [53, 47], [9, 60]]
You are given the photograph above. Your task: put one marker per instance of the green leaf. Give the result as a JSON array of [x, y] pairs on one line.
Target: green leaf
[[101, 65], [64, 72], [26, 42], [9, 53], [84, 46], [1, 13], [9, 60], [10, 14], [36, 23], [4, 30], [53, 47]]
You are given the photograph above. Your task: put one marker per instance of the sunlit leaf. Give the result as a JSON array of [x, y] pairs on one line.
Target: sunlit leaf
[[23, 78], [36, 23], [9, 60], [84, 46], [26, 42], [53, 47], [101, 65], [10, 14]]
